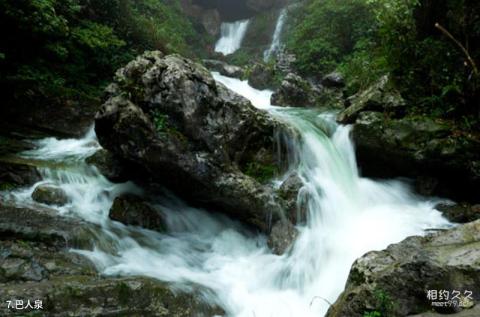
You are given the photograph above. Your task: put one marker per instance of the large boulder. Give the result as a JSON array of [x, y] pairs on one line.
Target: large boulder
[[410, 277], [169, 116], [422, 149], [133, 210], [381, 96]]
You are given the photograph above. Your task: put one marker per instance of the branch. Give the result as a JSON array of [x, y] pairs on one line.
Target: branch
[[465, 51], [319, 297]]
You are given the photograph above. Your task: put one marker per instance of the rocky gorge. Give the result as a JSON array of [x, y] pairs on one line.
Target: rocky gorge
[[200, 188]]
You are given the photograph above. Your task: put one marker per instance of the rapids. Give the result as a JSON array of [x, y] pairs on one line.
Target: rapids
[[347, 216]]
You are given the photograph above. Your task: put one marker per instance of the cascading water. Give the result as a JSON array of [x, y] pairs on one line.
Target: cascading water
[[276, 40], [347, 216], [232, 35]]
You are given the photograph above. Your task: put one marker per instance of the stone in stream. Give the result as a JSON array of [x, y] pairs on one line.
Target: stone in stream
[[133, 210], [296, 91], [50, 195], [289, 191], [167, 115], [282, 237], [261, 76], [460, 213], [397, 281], [36, 264], [224, 68]]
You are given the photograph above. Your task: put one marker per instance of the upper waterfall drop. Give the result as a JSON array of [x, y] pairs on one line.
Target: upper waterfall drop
[[232, 35], [277, 34]]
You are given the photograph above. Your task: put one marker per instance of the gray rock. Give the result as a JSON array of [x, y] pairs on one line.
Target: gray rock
[[108, 165], [224, 68], [381, 96], [169, 116], [282, 237], [17, 174], [420, 148], [50, 195], [289, 191], [261, 76], [133, 210], [460, 213], [36, 264], [294, 92], [45, 226], [395, 281], [334, 80]]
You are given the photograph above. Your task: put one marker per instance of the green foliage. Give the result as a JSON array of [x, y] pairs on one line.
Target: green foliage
[[365, 39], [384, 305], [325, 31], [53, 50], [261, 172], [160, 121]]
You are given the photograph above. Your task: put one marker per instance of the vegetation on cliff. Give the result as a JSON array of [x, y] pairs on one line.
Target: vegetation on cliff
[[54, 50], [432, 65]]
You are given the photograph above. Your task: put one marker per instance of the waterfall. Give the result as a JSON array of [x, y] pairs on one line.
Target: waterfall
[[232, 35], [277, 34], [347, 216]]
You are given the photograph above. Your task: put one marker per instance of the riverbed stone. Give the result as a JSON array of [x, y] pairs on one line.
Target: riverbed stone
[[461, 212], [282, 237], [109, 165], [224, 68], [50, 195], [134, 210], [36, 264]]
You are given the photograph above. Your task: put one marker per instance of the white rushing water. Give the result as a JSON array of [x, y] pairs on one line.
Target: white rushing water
[[231, 37], [277, 36], [347, 217]]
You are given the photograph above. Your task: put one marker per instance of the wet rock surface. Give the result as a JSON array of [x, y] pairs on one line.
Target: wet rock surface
[[133, 210], [50, 195], [282, 237], [420, 148], [296, 91], [36, 265], [168, 115], [289, 191], [460, 213], [224, 68], [397, 280], [109, 166], [261, 76]]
